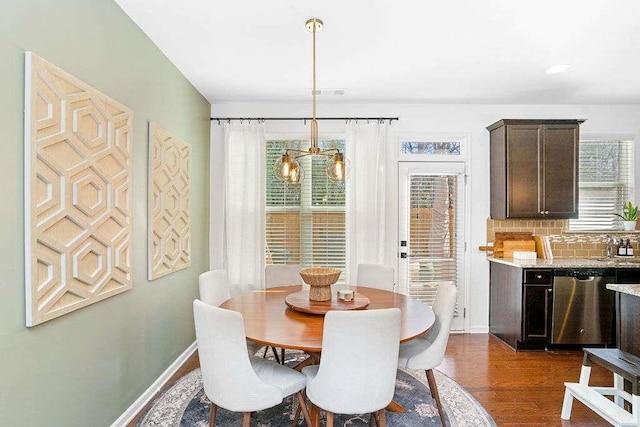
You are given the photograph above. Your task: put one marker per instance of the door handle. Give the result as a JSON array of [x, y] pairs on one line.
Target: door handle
[[403, 248]]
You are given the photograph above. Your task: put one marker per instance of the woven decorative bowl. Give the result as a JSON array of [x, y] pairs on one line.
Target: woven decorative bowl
[[320, 279]]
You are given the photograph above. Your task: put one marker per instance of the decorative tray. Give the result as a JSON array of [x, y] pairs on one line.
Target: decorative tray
[[299, 301]]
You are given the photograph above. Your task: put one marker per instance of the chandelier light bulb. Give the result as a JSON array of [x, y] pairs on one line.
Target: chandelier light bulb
[[338, 169], [285, 168], [294, 174]]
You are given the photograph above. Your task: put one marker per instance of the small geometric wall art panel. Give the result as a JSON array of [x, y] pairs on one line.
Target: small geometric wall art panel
[[77, 193], [169, 202]]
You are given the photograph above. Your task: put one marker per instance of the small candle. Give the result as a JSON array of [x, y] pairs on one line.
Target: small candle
[[345, 294]]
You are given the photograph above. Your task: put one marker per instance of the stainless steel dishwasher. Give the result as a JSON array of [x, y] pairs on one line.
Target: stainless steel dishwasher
[[583, 308]]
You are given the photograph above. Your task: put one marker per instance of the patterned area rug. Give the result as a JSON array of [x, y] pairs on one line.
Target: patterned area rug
[[184, 404]]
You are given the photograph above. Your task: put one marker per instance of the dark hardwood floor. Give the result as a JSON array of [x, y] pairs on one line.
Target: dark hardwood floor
[[519, 388], [516, 388]]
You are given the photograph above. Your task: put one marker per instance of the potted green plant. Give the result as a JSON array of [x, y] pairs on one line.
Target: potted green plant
[[629, 216]]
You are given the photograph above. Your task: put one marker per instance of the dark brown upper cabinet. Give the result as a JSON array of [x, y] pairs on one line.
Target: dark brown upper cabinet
[[534, 168]]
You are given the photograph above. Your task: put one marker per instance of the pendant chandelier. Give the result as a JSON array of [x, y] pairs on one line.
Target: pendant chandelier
[[287, 168]]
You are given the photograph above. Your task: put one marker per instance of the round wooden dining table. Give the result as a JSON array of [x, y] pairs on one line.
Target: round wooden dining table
[[269, 321]]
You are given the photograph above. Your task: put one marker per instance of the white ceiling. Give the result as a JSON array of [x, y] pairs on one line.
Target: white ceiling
[[456, 51]]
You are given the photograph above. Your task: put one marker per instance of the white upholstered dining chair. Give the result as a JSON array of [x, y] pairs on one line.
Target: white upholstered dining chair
[[357, 371], [214, 290], [214, 287], [282, 275], [232, 379], [427, 351], [375, 276]]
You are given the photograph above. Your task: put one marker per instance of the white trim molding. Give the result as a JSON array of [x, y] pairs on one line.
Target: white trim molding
[[133, 410]]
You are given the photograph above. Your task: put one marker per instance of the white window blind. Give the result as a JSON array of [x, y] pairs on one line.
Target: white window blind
[[605, 183], [434, 249], [305, 223]]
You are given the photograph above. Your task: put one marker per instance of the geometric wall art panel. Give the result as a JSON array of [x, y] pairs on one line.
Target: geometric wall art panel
[[169, 245], [77, 193]]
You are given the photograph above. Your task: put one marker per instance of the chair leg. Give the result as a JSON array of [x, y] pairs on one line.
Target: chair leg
[[282, 355], [294, 422], [315, 415], [377, 418], [212, 415], [567, 403], [302, 406], [431, 379], [329, 419], [246, 419]]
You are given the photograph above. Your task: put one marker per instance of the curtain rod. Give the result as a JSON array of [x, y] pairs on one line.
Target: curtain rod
[[305, 119]]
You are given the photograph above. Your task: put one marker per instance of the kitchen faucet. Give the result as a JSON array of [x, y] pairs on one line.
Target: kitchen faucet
[[610, 242]]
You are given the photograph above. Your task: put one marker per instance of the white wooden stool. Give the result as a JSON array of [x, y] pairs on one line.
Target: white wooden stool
[[624, 366]]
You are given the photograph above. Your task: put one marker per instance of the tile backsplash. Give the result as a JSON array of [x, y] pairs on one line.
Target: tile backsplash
[[563, 244]]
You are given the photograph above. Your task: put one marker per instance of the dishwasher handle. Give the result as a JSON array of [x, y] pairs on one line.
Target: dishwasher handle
[[583, 274]]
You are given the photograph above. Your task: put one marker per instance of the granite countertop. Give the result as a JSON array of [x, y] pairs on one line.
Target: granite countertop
[[617, 262], [630, 289], [625, 289]]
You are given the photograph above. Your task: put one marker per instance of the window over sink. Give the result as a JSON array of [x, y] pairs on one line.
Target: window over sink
[[606, 177]]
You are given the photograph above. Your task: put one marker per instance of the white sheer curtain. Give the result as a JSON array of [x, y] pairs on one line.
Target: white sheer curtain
[[366, 195], [245, 153]]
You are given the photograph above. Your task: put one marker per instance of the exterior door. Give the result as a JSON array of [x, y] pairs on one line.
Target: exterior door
[[431, 230]]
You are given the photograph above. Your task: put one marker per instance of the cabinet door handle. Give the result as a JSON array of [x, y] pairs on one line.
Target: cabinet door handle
[[546, 212], [549, 290], [539, 276]]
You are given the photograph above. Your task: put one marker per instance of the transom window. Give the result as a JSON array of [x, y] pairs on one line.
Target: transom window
[[431, 148]]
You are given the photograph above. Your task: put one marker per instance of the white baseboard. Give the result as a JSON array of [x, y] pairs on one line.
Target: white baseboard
[[479, 330], [146, 397]]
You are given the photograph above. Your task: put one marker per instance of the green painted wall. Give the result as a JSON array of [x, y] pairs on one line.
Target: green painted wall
[[87, 367]]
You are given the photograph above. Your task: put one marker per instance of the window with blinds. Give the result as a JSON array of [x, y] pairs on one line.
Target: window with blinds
[[433, 246], [605, 183], [305, 224]]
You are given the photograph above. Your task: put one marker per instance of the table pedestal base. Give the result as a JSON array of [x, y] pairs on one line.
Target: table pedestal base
[[320, 293]]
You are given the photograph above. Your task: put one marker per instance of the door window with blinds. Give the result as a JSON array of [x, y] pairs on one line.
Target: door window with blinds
[[305, 224], [432, 256], [605, 182], [431, 229]]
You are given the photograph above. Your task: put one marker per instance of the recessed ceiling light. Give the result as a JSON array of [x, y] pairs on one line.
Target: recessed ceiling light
[[559, 68]]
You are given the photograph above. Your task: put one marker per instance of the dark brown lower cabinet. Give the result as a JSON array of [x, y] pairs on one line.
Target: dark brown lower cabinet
[[520, 306], [628, 319], [537, 313], [628, 307], [629, 336]]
